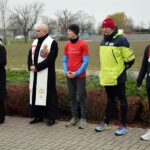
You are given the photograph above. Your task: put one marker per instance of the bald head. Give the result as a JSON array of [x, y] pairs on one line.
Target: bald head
[[42, 30]]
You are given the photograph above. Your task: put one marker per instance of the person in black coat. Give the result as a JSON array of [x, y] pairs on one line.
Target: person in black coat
[[145, 70], [41, 59], [3, 62]]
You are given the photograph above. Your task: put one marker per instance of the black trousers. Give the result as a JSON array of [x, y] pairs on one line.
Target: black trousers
[[148, 95], [2, 111], [113, 92]]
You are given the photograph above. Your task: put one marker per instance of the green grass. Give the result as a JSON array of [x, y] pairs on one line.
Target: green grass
[[17, 52]]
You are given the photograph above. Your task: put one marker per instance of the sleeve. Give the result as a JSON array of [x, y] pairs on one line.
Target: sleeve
[[29, 61], [83, 66], [143, 69], [129, 64], [50, 60], [65, 59], [3, 59], [127, 51], [85, 59]]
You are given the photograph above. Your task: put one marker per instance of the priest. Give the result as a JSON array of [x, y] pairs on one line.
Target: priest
[[42, 86]]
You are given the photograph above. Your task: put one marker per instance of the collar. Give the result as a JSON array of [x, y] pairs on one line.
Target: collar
[[74, 40], [109, 37]]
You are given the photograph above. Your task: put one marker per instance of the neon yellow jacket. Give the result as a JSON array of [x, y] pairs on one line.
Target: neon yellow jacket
[[113, 56]]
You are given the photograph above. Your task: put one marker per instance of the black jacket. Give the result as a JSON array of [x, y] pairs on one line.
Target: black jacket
[[145, 68], [3, 62]]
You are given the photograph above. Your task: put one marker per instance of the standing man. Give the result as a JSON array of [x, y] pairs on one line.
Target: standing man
[[75, 61], [41, 64], [3, 62], [145, 70], [116, 56]]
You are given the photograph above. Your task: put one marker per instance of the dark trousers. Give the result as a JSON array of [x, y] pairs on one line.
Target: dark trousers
[[148, 95], [113, 92], [2, 111], [77, 91]]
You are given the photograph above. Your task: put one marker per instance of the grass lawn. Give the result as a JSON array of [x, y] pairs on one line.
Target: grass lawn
[[17, 52]]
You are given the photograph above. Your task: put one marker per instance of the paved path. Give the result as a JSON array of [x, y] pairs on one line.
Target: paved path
[[17, 134]]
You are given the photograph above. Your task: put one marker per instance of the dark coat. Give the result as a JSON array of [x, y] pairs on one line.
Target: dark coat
[[145, 68], [49, 62], [3, 62]]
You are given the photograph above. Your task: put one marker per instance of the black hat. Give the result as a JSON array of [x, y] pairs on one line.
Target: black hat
[[74, 28]]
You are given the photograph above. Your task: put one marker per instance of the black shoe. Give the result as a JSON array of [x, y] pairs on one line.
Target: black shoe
[[36, 120], [50, 122], [1, 122]]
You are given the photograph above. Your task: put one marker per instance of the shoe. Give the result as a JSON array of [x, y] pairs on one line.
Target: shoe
[[36, 120], [72, 122], [82, 123], [50, 122], [102, 127], [121, 130], [1, 122], [146, 136]]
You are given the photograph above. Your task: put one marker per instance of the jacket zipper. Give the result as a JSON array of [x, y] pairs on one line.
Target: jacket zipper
[[114, 56]]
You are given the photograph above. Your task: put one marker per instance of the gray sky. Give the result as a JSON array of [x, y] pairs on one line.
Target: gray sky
[[138, 10]]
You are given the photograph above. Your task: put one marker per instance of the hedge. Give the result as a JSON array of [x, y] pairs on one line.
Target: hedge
[[17, 103]]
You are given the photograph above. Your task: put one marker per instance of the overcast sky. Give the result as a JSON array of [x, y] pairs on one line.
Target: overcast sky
[[138, 10]]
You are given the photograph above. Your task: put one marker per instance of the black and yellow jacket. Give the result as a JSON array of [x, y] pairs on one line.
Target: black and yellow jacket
[[116, 56]]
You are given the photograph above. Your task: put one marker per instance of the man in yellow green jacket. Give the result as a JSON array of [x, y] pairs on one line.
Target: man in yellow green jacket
[[116, 56]]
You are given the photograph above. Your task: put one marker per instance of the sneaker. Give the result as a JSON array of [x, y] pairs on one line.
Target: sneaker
[[82, 123], [102, 127], [121, 130], [72, 122], [146, 136]]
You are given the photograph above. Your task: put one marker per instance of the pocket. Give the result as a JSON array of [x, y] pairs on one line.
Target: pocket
[[114, 56]]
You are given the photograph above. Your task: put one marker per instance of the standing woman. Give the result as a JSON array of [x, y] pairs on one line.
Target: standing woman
[[3, 62]]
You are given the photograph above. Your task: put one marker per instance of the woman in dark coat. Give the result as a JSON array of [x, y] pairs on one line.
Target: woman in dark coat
[[3, 62]]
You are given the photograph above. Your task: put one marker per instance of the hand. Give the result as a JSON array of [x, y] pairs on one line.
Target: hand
[[139, 88], [32, 68], [70, 74]]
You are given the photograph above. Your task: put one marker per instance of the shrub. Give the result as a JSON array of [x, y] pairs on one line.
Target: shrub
[[96, 104], [134, 104], [63, 100], [145, 112], [17, 101]]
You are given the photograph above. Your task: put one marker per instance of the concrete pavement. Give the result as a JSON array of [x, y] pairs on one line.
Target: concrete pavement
[[17, 134]]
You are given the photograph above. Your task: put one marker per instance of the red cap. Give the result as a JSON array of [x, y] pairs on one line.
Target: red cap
[[108, 23]]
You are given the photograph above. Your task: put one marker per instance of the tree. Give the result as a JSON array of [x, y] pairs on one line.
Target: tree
[[26, 17], [3, 9], [51, 23], [64, 19], [129, 27], [120, 19], [85, 21]]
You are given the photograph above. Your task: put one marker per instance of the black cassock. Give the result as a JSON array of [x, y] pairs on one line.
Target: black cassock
[[51, 103], [3, 62]]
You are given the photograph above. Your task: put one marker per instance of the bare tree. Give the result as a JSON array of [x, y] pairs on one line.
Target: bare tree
[[3, 9], [51, 23], [129, 25], [65, 18], [26, 17], [86, 22]]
